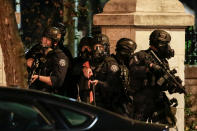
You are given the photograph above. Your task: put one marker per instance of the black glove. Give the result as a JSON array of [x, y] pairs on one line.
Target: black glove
[[156, 68]]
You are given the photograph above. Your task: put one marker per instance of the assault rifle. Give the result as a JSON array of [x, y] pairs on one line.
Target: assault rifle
[[33, 71], [169, 76]]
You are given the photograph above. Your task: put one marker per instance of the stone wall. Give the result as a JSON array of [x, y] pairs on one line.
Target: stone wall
[[191, 88]]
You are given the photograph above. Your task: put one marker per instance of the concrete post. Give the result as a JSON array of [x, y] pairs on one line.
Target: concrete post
[[136, 19]]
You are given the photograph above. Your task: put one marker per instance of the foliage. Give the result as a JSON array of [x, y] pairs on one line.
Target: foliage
[[38, 15], [190, 46], [190, 116]]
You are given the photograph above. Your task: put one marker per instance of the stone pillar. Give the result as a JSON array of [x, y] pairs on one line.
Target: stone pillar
[[136, 19]]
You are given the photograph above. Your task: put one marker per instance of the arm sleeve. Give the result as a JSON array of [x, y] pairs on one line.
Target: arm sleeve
[[60, 67]]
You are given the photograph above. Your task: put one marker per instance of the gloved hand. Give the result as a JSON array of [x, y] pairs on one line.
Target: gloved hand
[[155, 67]]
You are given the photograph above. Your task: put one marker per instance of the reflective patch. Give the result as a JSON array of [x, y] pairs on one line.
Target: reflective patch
[[114, 68], [62, 62]]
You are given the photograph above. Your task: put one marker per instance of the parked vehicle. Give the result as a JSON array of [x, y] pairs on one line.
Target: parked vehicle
[[30, 110]]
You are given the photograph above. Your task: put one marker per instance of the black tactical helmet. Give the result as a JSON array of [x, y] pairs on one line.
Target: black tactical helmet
[[103, 40], [53, 33], [160, 40], [126, 45], [85, 52], [124, 50], [159, 36], [61, 27], [85, 41]]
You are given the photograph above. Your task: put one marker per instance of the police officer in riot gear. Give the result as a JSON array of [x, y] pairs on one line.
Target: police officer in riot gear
[[79, 89], [104, 72], [112, 77], [150, 101], [66, 51], [125, 48], [52, 76]]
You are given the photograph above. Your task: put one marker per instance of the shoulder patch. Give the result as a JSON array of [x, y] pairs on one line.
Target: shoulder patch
[[114, 68], [62, 62]]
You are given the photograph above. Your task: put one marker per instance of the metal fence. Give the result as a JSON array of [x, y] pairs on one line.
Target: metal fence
[[190, 46]]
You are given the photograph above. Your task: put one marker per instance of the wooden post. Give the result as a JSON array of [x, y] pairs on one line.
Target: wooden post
[[12, 67]]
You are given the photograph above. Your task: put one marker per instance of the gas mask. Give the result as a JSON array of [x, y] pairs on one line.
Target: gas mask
[[98, 53], [125, 55], [85, 53], [165, 51]]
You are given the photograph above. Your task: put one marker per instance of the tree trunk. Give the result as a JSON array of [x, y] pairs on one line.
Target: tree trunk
[[12, 47]]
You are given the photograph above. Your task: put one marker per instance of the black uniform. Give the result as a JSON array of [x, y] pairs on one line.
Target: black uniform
[[107, 75], [125, 101], [79, 84], [150, 102], [110, 90], [56, 66], [150, 77]]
